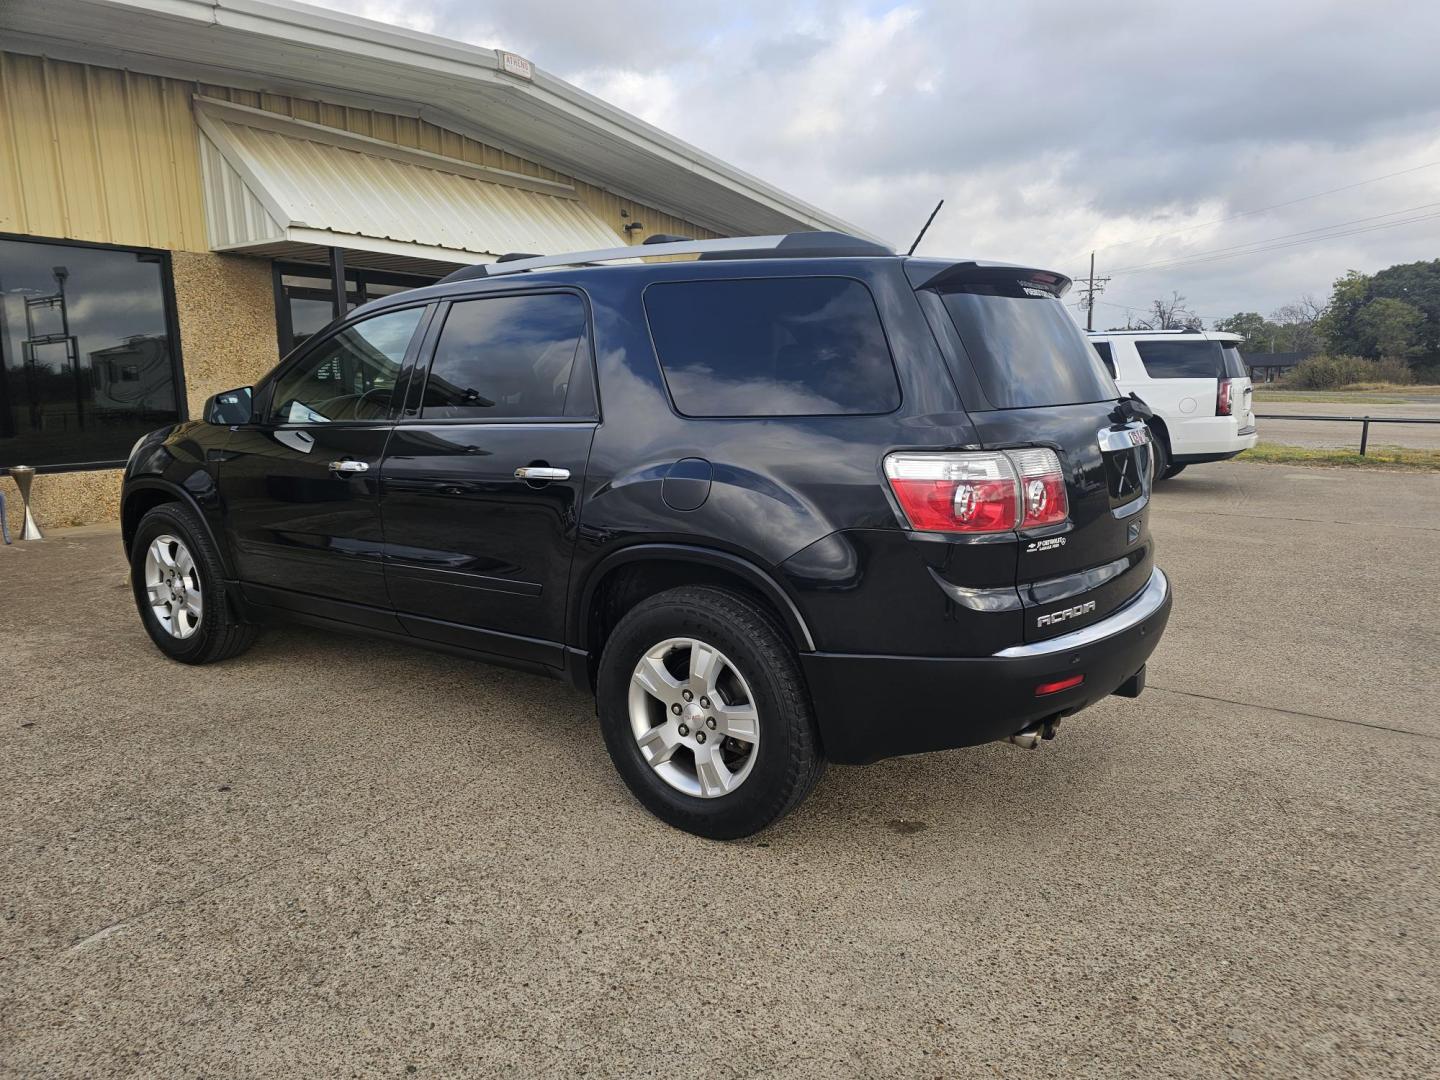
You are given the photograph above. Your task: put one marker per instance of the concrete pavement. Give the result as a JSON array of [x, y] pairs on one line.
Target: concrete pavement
[[332, 857]]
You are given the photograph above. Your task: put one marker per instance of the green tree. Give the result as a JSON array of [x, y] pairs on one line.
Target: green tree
[[1337, 325], [1258, 332], [1389, 329], [1416, 284]]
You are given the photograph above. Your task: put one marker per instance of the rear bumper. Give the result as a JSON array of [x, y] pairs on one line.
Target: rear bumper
[[1202, 459], [871, 707], [1203, 436]]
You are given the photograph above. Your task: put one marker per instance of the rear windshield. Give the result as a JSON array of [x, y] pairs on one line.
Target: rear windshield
[[772, 347], [1191, 358], [1026, 350]]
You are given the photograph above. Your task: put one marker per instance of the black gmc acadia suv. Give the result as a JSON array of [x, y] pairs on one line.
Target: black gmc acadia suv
[[798, 499]]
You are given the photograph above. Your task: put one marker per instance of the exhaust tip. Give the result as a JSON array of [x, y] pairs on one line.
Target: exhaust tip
[[1032, 737], [1029, 739]]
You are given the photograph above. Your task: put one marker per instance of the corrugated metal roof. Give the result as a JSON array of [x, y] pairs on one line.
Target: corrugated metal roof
[[294, 49], [266, 181]]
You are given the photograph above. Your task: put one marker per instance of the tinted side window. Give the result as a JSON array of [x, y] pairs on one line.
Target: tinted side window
[[506, 357], [772, 347], [351, 376], [1106, 356], [1181, 359]]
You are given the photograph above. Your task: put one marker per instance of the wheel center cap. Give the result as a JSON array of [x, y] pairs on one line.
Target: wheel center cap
[[693, 715]]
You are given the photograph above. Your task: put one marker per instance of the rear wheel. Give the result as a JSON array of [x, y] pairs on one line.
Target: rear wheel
[[705, 713], [1165, 467], [179, 589]]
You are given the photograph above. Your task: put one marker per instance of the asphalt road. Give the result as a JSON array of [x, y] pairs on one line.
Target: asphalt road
[[335, 858], [1328, 434]]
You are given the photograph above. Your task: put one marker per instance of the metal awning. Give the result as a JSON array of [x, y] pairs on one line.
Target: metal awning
[[284, 187], [298, 50]]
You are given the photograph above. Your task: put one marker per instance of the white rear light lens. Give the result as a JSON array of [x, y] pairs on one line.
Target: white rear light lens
[[1042, 487], [1225, 398], [970, 493]]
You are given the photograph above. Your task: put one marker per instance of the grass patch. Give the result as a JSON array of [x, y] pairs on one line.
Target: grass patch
[[1376, 457]]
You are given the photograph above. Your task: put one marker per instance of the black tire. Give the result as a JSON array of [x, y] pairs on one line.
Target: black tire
[[788, 759], [218, 636], [1172, 471], [1161, 449]]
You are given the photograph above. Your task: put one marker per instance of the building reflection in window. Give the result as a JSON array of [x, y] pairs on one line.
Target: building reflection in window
[[87, 353]]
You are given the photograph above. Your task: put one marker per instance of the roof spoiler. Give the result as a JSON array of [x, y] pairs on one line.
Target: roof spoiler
[[974, 272]]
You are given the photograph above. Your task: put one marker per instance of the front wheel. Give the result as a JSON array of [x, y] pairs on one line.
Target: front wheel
[[179, 589], [705, 713]]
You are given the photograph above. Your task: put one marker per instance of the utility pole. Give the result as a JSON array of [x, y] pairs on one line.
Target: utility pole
[[1092, 290]]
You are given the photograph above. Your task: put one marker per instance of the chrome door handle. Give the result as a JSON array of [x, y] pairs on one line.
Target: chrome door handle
[[349, 466], [541, 472]]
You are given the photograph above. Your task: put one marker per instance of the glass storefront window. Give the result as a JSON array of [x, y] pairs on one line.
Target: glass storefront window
[[306, 299], [87, 353]]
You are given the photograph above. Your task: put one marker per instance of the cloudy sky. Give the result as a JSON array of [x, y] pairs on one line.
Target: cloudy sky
[[1150, 132]]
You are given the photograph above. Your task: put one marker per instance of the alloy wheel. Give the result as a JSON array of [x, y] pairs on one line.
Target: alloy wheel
[[172, 586], [694, 718]]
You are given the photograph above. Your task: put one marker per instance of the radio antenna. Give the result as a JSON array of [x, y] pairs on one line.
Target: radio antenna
[[925, 227]]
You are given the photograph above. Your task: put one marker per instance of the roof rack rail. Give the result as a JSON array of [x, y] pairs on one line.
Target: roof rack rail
[[803, 245], [1137, 330]]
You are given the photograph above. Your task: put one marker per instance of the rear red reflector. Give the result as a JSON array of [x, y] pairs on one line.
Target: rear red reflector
[[1047, 688]]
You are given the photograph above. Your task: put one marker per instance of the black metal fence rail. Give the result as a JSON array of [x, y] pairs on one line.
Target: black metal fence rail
[[1364, 421]]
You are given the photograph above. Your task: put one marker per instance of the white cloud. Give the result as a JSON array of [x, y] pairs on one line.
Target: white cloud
[[1049, 130]]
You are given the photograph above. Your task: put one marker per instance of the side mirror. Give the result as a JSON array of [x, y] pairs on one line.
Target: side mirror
[[231, 407]]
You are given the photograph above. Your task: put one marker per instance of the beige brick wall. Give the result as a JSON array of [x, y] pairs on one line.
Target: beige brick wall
[[226, 309], [226, 305], [59, 499]]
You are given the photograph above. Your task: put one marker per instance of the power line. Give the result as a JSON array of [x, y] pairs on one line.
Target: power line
[[1272, 206], [1328, 232], [1147, 311], [1282, 236]]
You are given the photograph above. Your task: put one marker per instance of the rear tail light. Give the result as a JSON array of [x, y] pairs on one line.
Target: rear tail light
[[1225, 398], [1042, 487], [980, 492]]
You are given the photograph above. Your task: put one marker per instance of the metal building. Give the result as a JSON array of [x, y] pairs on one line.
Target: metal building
[[190, 188]]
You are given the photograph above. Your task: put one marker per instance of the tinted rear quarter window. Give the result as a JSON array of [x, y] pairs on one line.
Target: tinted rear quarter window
[[1106, 356], [1191, 359], [1235, 366], [506, 357], [1025, 348], [772, 347]]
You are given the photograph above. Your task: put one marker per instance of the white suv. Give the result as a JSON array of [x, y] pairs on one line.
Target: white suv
[[1196, 383]]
